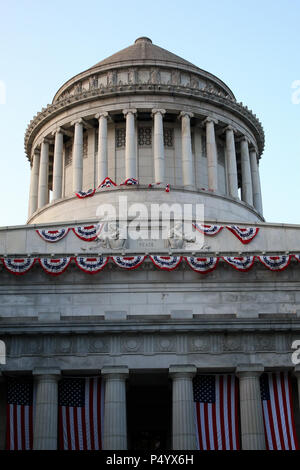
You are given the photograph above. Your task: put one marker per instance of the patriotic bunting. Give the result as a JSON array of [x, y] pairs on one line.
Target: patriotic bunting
[[88, 233], [242, 263], [245, 235], [18, 265], [91, 265], [216, 409], [168, 263], [129, 182], [167, 187], [82, 194], [276, 397], [276, 263], [128, 262], [202, 265], [210, 230], [106, 183], [54, 266], [53, 236], [297, 257]]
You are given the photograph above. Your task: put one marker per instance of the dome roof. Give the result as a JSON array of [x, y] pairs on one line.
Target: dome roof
[[144, 50], [144, 53]]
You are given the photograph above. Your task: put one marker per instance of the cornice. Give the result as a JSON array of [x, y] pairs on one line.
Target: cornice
[[86, 96]]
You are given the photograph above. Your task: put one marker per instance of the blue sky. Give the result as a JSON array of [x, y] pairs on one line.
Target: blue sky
[[253, 46]]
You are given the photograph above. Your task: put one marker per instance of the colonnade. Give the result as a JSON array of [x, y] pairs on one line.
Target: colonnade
[[183, 414], [250, 190]]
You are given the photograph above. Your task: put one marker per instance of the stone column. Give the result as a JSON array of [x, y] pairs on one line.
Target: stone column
[[211, 153], [34, 183], [252, 424], [130, 148], [257, 200], [187, 156], [58, 164], [43, 193], [115, 421], [46, 409], [247, 194], [183, 412], [231, 163], [77, 162], [3, 401], [159, 149], [102, 165]]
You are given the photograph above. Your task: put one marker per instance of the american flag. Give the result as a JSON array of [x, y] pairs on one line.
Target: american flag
[[278, 414], [19, 430], [80, 414], [216, 404]]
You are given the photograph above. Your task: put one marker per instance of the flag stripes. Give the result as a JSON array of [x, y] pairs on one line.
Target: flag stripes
[[278, 415], [19, 414], [80, 414], [216, 405]]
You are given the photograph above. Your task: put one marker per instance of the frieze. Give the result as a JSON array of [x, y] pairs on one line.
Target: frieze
[[207, 93], [110, 345]]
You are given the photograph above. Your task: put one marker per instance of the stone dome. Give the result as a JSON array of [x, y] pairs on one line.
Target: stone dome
[[147, 114], [142, 53]]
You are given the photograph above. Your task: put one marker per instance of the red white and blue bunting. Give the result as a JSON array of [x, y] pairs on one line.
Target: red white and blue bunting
[[88, 233], [128, 262], [18, 265], [297, 257], [54, 266], [276, 263], [206, 229], [202, 265], [53, 236], [241, 263], [91, 265], [129, 182], [245, 235], [168, 263], [106, 183], [83, 194], [167, 186]]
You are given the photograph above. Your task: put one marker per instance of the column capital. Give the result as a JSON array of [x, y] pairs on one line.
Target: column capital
[[46, 140], [249, 370], [77, 121], [209, 119], [102, 114], [158, 111], [120, 372], [182, 371], [129, 111], [186, 113], [229, 128], [244, 138], [46, 372]]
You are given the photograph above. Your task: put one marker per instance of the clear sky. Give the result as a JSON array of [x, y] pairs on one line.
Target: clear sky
[[253, 46]]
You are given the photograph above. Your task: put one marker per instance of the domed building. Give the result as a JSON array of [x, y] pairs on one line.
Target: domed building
[[148, 343]]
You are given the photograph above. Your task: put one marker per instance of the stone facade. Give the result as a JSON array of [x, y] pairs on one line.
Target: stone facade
[[145, 113]]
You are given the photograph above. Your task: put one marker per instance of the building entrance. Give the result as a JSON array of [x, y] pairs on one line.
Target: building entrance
[[149, 405]]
